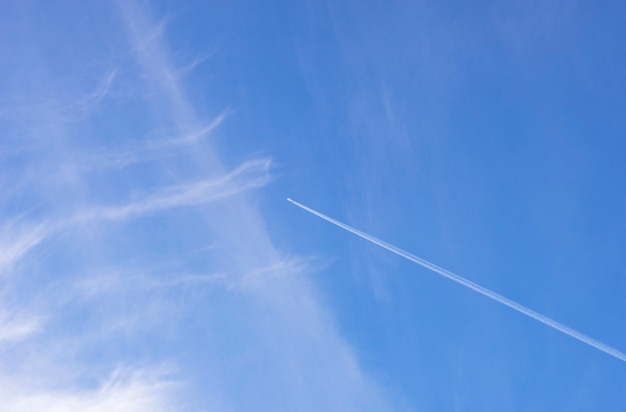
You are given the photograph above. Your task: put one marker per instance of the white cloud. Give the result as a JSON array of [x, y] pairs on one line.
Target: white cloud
[[256, 337], [287, 349], [152, 150], [252, 174], [124, 391], [17, 239], [91, 100], [14, 328]]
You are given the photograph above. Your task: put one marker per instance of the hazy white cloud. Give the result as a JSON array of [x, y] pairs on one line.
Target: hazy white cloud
[[267, 340], [132, 281], [17, 238], [32, 119], [283, 267], [125, 390], [289, 352], [196, 61], [192, 136], [94, 98], [14, 328], [153, 149], [249, 175]]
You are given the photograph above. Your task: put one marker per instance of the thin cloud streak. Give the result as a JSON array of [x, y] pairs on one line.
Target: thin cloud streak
[[133, 390], [473, 286], [198, 60], [14, 328], [152, 150], [252, 174], [132, 281], [193, 136], [16, 242], [66, 109], [95, 97]]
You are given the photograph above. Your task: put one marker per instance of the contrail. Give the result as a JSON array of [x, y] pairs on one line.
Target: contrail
[[473, 286]]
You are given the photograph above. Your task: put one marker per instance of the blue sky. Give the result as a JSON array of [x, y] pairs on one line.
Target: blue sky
[[150, 262]]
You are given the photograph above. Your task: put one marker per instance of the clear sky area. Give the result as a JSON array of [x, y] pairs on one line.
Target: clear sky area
[[149, 259]]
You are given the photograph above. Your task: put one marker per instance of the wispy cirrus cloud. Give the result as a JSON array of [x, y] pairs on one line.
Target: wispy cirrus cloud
[[152, 150], [196, 61], [241, 322], [32, 117], [94, 98], [249, 175], [295, 344], [126, 389], [111, 283], [17, 238], [14, 328]]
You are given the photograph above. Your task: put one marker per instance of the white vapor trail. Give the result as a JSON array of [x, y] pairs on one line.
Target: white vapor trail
[[473, 286]]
